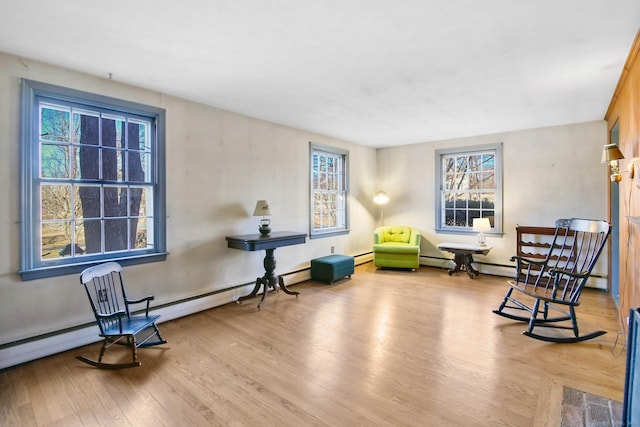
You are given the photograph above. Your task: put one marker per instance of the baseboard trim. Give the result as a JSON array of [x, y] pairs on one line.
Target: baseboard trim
[[26, 350], [596, 282]]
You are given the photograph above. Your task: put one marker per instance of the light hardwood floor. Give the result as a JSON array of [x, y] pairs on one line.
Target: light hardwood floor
[[384, 348]]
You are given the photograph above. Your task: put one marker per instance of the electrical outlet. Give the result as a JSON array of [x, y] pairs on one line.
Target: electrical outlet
[[333, 249]]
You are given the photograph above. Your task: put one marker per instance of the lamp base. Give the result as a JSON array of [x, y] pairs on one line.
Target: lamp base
[[264, 230], [481, 240]]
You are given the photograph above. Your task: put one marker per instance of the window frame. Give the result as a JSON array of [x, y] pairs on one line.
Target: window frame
[[439, 185], [31, 264], [336, 231]]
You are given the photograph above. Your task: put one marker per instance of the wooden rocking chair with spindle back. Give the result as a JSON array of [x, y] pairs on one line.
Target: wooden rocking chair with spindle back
[[556, 282], [117, 324]]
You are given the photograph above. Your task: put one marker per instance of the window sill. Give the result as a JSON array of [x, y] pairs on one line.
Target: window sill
[[329, 234], [64, 270]]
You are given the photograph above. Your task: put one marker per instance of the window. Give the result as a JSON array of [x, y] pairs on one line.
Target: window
[[328, 191], [92, 181], [469, 182]]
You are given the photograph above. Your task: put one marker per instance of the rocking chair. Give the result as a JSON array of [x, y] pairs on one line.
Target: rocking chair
[[110, 305], [556, 282]]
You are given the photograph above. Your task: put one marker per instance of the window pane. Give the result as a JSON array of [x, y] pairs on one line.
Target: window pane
[[449, 199], [488, 201], [89, 198], [56, 236], [54, 161], [449, 217], [461, 218], [488, 162], [461, 165], [90, 236], [475, 163], [115, 201], [54, 124], [461, 200], [56, 202], [139, 166], [143, 233], [474, 200], [141, 201], [115, 234]]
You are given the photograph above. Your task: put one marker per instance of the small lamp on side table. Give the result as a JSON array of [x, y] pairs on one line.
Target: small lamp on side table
[[262, 209], [481, 225]]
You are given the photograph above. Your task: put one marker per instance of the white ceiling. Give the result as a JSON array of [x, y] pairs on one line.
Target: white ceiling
[[375, 72]]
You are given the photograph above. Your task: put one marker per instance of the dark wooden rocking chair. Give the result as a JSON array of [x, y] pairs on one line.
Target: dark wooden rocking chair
[[110, 305], [556, 282]]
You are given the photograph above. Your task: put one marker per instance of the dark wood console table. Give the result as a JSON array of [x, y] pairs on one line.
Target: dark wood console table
[[463, 256], [268, 243]]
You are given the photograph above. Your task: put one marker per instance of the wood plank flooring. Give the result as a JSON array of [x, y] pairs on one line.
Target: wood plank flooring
[[385, 348]]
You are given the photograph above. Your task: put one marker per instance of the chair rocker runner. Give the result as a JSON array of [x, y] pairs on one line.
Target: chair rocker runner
[[556, 282], [110, 305]]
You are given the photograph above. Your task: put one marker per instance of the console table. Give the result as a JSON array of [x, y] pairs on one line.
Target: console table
[[268, 243], [463, 256]]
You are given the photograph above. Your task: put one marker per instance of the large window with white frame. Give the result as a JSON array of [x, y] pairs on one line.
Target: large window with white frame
[[469, 183], [329, 214], [92, 181]]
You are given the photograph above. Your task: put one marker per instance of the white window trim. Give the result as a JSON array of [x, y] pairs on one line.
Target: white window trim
[[313, 233], [439, 185]]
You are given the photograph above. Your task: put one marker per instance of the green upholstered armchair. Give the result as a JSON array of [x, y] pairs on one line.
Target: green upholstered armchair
[[396, 246]]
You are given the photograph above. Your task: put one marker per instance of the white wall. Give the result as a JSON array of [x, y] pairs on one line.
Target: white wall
[[218, 164], [548, 173]]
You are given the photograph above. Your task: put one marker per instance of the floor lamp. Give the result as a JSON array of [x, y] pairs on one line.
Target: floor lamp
[[381, 199]]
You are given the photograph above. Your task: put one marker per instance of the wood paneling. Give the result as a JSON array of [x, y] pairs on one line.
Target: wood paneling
[[625, 110], [384, 348]]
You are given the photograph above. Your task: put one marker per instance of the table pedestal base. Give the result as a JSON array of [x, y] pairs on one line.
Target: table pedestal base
[[463, 262], [268, 282]]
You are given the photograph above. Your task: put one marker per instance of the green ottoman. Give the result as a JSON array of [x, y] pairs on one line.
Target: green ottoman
[[331, 268]]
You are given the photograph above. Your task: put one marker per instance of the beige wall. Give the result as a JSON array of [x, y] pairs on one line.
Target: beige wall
[[548, 173], [218, 164]]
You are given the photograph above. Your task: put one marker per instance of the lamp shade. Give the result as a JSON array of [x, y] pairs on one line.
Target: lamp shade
[[381, 198], [481, 224], [610, 153], [262, 208]]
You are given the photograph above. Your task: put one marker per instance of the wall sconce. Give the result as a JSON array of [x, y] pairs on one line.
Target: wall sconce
[[611, 154], [481, 225], [262, 209], [381, 198]]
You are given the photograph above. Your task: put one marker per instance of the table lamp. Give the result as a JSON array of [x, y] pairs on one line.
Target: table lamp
[[262, 209], [481, 225]]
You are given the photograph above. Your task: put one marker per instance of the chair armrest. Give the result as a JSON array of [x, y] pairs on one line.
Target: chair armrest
[[137, 301], [147, 299], [377, 237], [520, 259], [414, 239], [117, 314], [558, 272]]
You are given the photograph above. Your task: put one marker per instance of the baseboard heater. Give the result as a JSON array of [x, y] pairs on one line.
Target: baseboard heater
[[27, 349]]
